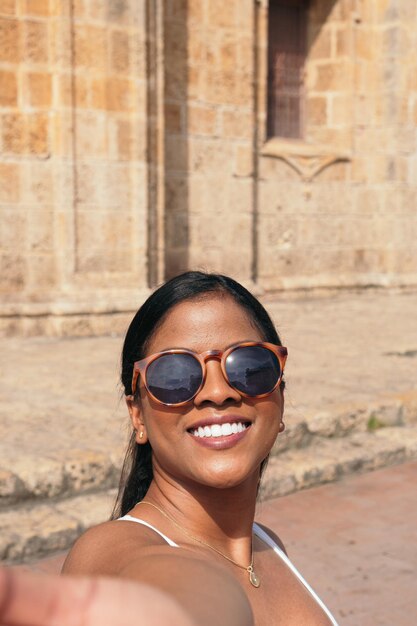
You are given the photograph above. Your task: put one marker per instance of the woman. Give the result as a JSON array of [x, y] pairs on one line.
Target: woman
[[202, 370]]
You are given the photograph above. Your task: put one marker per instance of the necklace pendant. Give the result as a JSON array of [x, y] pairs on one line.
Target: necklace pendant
[[253, 578]]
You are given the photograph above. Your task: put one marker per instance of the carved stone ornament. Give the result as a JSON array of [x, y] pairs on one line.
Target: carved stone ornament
[[306, 159]]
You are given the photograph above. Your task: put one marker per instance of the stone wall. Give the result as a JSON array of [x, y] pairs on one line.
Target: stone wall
[[133, 146], [340, 209], [73, 166]]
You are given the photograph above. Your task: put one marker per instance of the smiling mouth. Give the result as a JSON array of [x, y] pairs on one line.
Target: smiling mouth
[[219, 430]]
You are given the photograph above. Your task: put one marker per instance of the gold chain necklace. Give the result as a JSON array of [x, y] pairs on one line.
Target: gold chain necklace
[[253, 578]]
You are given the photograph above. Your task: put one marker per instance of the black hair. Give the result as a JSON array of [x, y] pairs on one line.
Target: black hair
[[137, 470]]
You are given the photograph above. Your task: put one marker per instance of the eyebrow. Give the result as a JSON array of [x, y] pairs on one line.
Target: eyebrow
[[224, 350]]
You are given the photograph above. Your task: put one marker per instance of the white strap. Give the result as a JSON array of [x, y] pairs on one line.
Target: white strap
[[130, 518], [268, 540]]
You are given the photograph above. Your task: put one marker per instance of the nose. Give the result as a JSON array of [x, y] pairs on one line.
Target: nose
[[216, 389]]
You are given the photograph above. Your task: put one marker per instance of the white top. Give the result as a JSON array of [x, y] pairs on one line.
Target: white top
[[264, 537]]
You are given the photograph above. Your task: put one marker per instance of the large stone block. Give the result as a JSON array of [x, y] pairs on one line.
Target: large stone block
[[228, 53], [42, 272], [317, 110], [91, 134], [13, 135], [35, 41], [10, 40], [38, 89], [89, 181], [340, 113], [90, 47], [13, 230], [334, 76], [13, 267], [9, 182], [38, 134], [121, 95], [120, 52], [210, 154], [118, 187], [40, 237], [278, 232], [228, 87], [201, 120], [237, 124], [25, 134], [35, 8], [222, 14], [38, 183], [8, 89], [8, 7]]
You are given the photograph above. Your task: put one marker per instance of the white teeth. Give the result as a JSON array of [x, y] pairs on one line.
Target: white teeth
[[226, 429], [216, 430], [219, 430]]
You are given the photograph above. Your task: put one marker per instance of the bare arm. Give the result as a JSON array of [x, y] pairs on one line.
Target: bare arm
[[206, 591]]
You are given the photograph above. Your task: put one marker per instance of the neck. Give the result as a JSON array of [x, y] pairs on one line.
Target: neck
[[222, 517]]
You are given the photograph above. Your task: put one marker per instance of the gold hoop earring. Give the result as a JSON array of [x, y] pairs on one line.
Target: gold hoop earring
[[281, 427]]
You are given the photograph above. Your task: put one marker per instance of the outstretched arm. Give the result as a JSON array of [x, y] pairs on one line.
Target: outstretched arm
[[28, 599], [206, 590]]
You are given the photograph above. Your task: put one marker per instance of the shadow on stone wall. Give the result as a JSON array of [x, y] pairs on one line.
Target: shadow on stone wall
[[175, 141]]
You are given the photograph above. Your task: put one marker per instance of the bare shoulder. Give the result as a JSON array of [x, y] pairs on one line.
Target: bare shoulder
[[273, 536], [205, 589], [107, 548]]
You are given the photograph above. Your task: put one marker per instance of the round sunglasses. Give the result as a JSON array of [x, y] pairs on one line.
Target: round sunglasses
[[174, 377]]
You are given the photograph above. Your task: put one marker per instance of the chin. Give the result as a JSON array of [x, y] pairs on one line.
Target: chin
[[226, 478]]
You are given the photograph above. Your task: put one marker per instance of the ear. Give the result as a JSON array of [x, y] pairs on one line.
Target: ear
[[136, 418]]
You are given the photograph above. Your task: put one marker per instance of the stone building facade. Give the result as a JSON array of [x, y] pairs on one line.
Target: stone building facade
[[135, 142]]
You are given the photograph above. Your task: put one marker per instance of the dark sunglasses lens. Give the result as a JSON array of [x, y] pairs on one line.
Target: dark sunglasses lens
[[174, 378], [254, 370]]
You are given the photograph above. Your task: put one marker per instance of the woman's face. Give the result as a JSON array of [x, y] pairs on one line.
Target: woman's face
[[212, 323]]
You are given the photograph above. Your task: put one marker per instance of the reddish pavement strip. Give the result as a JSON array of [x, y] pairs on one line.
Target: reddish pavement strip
[[355, 541]]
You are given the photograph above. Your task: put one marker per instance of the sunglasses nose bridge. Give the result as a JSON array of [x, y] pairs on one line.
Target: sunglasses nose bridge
[[211, 354]]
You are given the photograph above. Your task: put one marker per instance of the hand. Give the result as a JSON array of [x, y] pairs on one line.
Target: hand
[[28, 599]]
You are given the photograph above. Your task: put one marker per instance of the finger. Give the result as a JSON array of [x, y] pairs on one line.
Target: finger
[[28, 599]]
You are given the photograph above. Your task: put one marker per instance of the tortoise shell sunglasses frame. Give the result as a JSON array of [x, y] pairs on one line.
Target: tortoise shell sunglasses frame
[[141, 367]]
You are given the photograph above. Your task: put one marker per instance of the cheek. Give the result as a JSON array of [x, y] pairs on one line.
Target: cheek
[[270, 408], [161, 422]]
